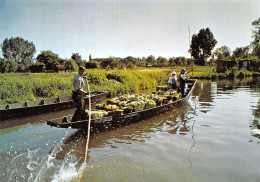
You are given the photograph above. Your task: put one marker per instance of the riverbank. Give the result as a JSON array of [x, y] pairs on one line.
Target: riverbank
[[22, 87]]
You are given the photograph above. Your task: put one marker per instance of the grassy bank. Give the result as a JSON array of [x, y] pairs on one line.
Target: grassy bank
[[21, 87]]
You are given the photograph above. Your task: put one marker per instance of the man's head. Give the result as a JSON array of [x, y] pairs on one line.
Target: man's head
[[81, 70]]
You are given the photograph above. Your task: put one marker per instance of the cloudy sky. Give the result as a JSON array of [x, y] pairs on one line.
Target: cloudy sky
[[124, 28]]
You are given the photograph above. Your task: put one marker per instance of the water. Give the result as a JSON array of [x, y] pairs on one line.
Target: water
[[213, 138]]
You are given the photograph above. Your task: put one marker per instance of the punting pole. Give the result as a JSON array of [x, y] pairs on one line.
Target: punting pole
[[89, 120], [88, 136], [190, 53]]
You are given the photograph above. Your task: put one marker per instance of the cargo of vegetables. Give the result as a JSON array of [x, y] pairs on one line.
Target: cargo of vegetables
[[127, 103]]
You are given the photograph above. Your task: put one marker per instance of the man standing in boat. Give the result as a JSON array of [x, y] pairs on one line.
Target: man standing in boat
[[78, 94], [172, 82], [183, 78]]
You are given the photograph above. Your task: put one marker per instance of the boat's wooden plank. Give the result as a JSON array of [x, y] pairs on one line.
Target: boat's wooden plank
[[42, 106]]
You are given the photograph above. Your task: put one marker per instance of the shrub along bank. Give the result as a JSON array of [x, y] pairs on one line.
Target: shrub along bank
[[21, 87]]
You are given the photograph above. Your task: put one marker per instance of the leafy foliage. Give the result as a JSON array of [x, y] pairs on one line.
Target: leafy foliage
[[71, 65], [222, 52], [108, 63], [77, 58], [162, 62], [256, 38], [202, 44], [92, 64], [18, 49], [8, 65], [49, 58], [241, 52], [37, 67], [150, 60]]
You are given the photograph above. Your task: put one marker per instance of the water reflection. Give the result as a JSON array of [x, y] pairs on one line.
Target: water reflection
[[255, 125]]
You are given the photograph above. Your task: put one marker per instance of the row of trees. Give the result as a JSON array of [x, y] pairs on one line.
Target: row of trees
[[251, 51], [19, 55], [131, 62]]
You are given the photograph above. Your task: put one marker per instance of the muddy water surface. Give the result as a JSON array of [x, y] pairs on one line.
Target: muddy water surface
[[214, 137]]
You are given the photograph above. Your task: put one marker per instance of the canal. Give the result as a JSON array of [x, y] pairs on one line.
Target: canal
[[214, 137]]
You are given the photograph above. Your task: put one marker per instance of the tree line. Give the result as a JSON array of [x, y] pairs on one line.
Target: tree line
[[18, 55]]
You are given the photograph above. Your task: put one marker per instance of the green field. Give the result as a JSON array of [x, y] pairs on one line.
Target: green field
[[21, 87]]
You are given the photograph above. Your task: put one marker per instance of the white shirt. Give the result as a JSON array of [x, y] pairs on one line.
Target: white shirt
[[183, 76], [78, 83], [172, 80]]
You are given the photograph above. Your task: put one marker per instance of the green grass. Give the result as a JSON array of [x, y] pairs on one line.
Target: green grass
[[21, 87]]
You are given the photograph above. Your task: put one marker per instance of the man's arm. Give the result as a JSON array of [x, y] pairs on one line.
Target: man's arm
[[83, 92]]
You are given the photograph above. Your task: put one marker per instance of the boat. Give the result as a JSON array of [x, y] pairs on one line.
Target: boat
[[16, 110], [117, 120]]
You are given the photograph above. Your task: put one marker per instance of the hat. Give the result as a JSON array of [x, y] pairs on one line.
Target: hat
[[173, 73], [82, 68]]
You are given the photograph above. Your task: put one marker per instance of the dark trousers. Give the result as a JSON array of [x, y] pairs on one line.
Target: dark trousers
[[80, 106], [182, 90], [173, 86]]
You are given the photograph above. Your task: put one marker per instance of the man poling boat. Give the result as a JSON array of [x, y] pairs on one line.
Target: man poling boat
[[78, 94]]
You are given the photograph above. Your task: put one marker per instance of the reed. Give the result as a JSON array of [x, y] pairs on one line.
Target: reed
[[21, 87]]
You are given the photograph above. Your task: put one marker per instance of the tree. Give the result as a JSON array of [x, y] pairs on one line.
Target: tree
[[92, 64], [18, 49], [222, 52], [141, 62], [256, 36], [71, 65], [61, 61], [150, 60], [172, 62], [241, 52], [8, 65], [130, 65], [108, 63], [77, 58], [49, 58], [178, 61], [181, 61], [162, 62], [202, 44], [129, 59]]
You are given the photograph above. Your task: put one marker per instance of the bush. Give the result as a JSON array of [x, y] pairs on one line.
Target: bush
[[92, 65], [8, 66], [37, 67], [241, 74]]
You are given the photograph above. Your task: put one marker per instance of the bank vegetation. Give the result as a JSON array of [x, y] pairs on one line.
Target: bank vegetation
[[21, 87]]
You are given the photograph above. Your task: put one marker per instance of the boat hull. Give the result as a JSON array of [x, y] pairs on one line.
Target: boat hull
[[107, 123], [44, 106]]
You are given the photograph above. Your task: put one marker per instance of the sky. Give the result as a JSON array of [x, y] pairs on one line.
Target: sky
[[121, 28]]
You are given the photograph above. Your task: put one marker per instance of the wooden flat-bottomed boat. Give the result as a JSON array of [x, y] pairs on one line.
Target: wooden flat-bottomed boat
[[16, 110], [114, 121]]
